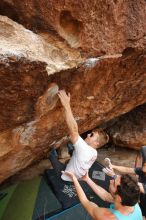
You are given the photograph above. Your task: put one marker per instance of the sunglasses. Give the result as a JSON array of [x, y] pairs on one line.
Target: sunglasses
[[91, 134]]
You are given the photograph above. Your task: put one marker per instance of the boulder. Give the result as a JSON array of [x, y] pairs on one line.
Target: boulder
[[34, 66], [96, 28], [129, 130]]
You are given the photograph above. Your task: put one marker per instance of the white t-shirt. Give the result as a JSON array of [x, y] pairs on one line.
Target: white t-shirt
[[82, 159]]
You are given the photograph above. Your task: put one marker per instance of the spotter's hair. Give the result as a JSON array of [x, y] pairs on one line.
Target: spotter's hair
[[128, 190]]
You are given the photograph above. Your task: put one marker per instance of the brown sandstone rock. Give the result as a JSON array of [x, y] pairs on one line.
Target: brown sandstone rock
[[32, 69], [130, 129], [96, 27], [100, 89], [26, 61]]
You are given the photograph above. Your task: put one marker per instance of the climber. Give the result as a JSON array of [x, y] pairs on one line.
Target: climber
[[85, 152]]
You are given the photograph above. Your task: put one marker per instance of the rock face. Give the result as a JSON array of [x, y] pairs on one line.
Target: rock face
[[106, 27], [33, 67], [26, 61], [130, 129]]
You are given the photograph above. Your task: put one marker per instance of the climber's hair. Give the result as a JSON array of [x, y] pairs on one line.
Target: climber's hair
[[103, 136]]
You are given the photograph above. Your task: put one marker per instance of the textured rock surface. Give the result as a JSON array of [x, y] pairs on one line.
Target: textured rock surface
[[26, 61], [130, 129], [15, 40], [98, 94], [98, 28], [33, 67]]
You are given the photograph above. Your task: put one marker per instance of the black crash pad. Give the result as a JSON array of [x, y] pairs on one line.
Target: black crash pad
[[66, 193]]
